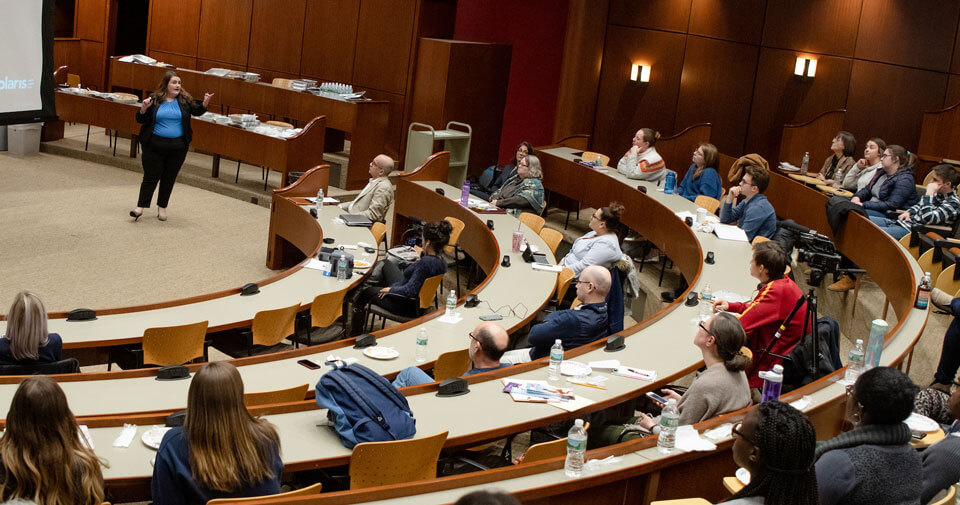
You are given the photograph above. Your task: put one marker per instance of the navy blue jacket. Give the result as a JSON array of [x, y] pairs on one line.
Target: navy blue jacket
[[899, 191], [707, 184], [46, 354], [573, 327], [415, 274], [755, 216]]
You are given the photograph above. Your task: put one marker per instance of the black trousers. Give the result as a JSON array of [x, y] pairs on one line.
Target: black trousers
[[370, 294], [162, 159]]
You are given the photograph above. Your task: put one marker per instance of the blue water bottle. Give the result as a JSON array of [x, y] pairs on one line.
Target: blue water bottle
[[670, 183]]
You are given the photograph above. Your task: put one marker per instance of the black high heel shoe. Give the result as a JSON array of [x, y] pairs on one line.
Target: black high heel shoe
[[135, 216]]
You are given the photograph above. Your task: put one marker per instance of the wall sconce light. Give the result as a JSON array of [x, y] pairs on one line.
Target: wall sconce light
[[640, 73], [806, 67]]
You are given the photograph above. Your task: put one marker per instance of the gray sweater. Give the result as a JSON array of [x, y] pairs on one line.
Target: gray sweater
[[941, 467], [715, 391]]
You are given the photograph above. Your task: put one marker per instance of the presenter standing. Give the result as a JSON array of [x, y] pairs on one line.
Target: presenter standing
[[165, 135]]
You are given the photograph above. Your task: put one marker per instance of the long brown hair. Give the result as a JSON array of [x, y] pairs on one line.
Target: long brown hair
[[229, 448], [27, 326], [730, 337], [160, 94], [42, 457], [711, 158]]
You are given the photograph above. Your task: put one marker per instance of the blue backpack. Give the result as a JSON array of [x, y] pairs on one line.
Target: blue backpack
[[363, 406]]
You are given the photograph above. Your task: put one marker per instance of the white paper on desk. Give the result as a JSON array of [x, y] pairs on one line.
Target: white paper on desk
[[85, 437], [315, 264], [450, 319], [607, 364], [720, 433], [802, 403], [578, 402], [126, 436], [326, 199], [636, 373], [547, 268], [684, 214], [730, 232], [689, 440], [730, 296], [570, 405]]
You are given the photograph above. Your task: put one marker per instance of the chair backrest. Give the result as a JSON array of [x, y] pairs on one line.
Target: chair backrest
[[682, 501], [288, 395], [326, 308], [280, 124], [379, 231], [73, 80], [575, 303], [552, 238], [707, 202], [69, 365], [592, 156], [946, 283], [949, 497], [312, 490], [383, 463], [272, 326], [758, 239], [174, 345], [282, 83], [451, 365], [534, 221], [547, 450], [914, 250], [454, 234], [428, 292], [563, 283], [927, 264]]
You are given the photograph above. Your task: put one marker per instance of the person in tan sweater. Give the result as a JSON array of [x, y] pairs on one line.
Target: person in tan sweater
[[375, 198]]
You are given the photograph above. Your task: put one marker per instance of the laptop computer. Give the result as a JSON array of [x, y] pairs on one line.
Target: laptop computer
[[356, 220]]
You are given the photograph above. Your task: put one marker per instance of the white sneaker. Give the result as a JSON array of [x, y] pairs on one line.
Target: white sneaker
[[941, 299]]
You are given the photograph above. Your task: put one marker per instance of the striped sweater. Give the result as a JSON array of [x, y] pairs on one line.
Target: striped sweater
[[645, 166], [938, 209]]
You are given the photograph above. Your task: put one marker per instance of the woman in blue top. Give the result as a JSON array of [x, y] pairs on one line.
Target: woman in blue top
[[165, 135], [702, 177], [221, 451], [27, 339]]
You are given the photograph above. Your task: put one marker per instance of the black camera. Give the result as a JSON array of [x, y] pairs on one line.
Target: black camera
[[819, 253]]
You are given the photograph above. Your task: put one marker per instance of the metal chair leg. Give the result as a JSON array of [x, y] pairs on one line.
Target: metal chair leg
[[87, 143], [116, 137], [109, 138], [663, 268]]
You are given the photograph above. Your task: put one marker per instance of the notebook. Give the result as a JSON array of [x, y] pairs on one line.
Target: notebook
[[356, 220]]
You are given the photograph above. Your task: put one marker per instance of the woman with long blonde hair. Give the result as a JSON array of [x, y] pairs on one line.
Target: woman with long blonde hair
[[221, 451], [27, 338], [42, 457]]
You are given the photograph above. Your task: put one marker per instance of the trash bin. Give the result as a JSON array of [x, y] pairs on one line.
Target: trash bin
[[3, 137], [24, 139]]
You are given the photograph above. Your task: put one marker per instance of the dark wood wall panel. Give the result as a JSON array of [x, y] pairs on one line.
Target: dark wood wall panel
[[953, 91], [738, 21], [329, 48], [67, 52], [91, 20], [955, 65], [92, 63], [914, 33], [580, 72], [384, 40], [276, 34], [886, 101], [225, 30], [624, 106], [821, 26], [673, 15], [174, 26], [781, 98], [716, 87]]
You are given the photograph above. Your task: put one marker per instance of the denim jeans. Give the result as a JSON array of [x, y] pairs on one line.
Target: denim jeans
[[411, 376], [890, 226]]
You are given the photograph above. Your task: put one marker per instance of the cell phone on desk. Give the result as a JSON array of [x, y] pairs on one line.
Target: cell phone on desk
[[657, 398], [491, 317], [918, 435], [309, 364]]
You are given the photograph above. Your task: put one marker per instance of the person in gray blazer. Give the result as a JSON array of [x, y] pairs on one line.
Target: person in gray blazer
[[375, 198]]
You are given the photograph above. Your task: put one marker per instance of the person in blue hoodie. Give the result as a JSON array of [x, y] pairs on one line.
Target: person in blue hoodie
[[754, 215], [702, 177]]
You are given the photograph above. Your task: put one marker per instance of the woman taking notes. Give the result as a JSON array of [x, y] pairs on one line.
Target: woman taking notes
[[165, 135], [221, 451]]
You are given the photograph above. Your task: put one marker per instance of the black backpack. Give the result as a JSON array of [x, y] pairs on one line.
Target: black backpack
[[798, 367]]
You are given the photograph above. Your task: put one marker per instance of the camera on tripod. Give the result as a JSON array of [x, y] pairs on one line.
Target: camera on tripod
[[819, 253]]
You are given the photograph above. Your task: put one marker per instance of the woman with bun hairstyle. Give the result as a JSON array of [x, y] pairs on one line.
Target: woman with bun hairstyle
[[642, 161], [702, 177], [601, 246], [42, 459], [165, 135]]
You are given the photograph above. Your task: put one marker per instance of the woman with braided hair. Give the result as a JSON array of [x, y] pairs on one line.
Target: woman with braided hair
[[776, 443]]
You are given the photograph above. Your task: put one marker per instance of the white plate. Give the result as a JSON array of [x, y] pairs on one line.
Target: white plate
[[153, 436], [918, 422], [378, 352], [575, 368], [743, 475], [361, 264]]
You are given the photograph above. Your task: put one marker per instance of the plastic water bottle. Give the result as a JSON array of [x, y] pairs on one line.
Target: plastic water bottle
[[451, 304], [805, 163], [855, 363], [465, 193], [706, 302], [772, 382], [319, 200], [923, 292], [576, 447], [341, 270], [422, 346], [669, 421], [556, 358], [878, 330], [670, 183]]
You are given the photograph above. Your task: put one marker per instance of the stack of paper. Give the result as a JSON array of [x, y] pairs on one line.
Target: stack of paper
[[730, 232], [540, 392], [689, 440]]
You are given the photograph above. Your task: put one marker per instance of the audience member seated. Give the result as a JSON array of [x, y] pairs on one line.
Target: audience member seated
[[776, 443], [762, 317], [221, 451], [941, 461], [497, 177], [488, 341], [891, 188], [27, 339], [642, 161], [844, 145], [722, 387], [862, 172], [574, 327], [946, 373], [524, 191], [754, 215], [601, 246], [939, 205], [375, 198], [42, 459], [405, 285], [702, 177], [874, 462]]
